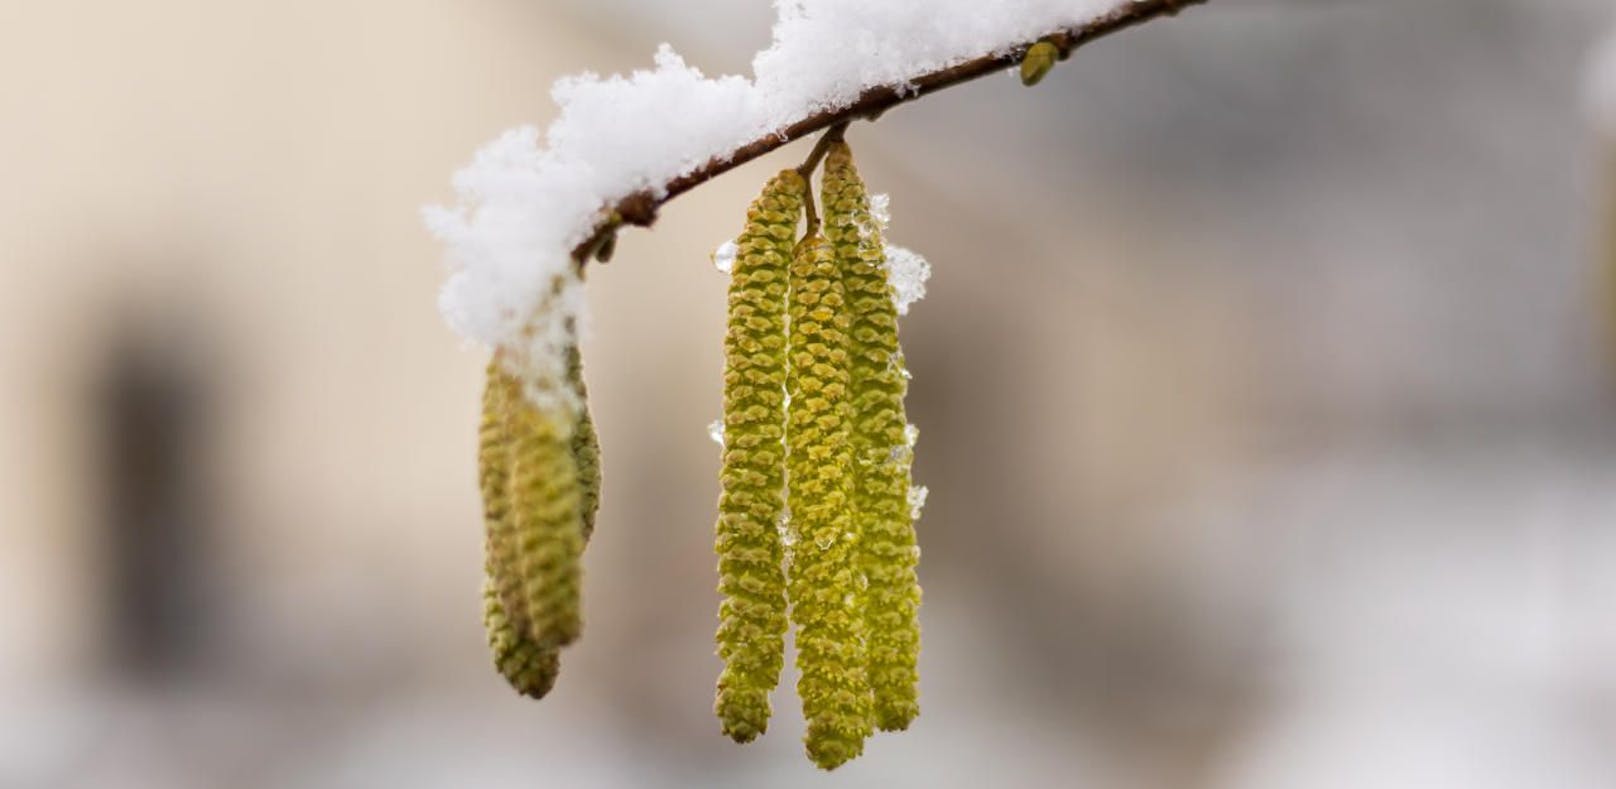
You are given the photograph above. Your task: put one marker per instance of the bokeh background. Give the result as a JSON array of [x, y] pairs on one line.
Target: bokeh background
[[1264, 387]]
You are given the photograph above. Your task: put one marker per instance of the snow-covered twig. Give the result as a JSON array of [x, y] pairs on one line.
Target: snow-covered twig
[[532, 209], [640, 208]]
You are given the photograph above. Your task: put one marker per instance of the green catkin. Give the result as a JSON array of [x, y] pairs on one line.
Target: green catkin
[[881, 451], [530, 669], [494, 470], [1038, 62], [752, 616], [585, 445], [823, 583], [537, 568]]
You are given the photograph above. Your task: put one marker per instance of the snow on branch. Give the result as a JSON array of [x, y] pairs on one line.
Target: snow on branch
[[531, 210]]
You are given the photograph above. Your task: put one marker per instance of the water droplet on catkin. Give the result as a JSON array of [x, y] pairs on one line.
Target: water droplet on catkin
[[724, 256]]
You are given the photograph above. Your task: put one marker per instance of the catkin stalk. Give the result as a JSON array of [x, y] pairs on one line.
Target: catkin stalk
[[752, 615], [882, 455], [823, 572]]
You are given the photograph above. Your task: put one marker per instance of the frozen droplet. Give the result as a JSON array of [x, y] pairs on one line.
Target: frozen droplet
[[904, 371], [881, 210], [907, 272], [911, 434], [724, 256], [917, 500], [715, 431]]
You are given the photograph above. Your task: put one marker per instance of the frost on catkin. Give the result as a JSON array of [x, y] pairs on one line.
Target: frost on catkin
[[823, 571], [752, 616], [882, 456]]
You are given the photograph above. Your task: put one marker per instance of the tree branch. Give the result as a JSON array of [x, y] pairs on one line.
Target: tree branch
[[641, 207]]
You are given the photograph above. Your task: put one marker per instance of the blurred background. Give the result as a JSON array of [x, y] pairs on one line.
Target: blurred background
[[1264, 387]]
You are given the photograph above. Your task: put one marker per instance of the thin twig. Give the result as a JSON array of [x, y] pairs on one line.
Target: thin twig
[[812, 162], [810, 213], [806, 170], [640, 208]]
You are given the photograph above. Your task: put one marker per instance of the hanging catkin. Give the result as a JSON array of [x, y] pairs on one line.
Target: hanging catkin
[[534, 551], [585, 445], [823, 572], [495, 458], [530, 669], [752, 616], [882, 455]]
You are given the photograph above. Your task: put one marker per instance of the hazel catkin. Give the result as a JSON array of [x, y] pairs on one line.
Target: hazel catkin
[[823, 573], [530, 669], [752, 615], [585, 446], [887, 554], [527, 658], [534, 553]]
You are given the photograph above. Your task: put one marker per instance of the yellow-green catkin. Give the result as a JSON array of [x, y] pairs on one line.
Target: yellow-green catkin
[[823, 573], [536, 557], [752, 616], [529, 668], [1038, 62], [585, 445], [882, 454], [495, 459]]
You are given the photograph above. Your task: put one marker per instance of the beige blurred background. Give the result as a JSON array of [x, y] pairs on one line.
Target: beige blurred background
[[1263, 390]]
